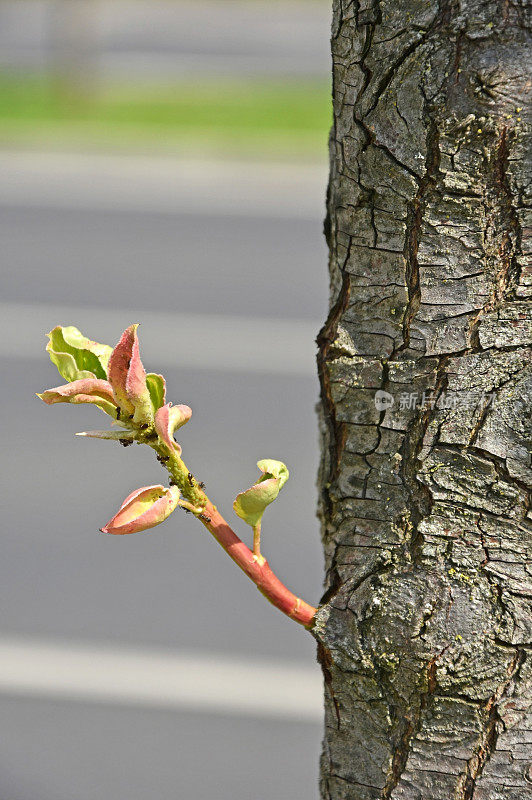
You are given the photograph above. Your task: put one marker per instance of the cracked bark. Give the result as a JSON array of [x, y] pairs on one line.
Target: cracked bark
[[425, 627]]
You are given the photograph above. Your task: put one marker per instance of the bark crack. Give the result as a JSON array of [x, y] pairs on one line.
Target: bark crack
[[491, 729], [415, 211], [326, 337], [501, 216], [411, 726], [325, 661]]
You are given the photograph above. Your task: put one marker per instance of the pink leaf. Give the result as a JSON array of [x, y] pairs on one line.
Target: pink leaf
[[86, 390], [127, 376], [142, 509], [167, 420]]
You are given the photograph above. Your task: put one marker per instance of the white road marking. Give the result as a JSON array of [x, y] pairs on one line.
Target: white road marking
[[162, 185], [180, 341], [203, 682]]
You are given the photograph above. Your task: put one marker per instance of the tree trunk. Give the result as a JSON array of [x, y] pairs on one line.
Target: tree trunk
[[424, 635]]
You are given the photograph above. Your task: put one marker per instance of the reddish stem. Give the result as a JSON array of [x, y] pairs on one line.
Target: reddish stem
[[260, 573]]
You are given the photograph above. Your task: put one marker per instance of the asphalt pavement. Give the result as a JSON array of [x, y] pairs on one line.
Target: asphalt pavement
[[172, 588], [66, 751]]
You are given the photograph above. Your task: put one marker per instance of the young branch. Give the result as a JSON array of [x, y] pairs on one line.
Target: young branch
[[256, 568], [114, 379]]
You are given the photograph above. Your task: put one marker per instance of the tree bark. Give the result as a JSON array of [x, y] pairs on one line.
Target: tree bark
[[425, 629]]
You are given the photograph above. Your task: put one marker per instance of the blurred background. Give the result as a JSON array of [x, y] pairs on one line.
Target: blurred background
[[162, 163]]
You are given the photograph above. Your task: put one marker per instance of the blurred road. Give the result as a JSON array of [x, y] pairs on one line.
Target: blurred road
[[174, 39], [149, 666], [90, 752], [172, 588], [231, 239]]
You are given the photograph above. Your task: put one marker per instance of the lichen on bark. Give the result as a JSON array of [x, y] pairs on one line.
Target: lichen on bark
[[425, 629]]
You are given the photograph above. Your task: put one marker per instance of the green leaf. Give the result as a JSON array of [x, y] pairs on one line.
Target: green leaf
[[157, 389], [251, 504], [75, 356]]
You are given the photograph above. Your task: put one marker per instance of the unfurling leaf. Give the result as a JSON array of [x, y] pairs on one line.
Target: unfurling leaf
[[142, 509], [128, 378], [251, 504], [88, 390], [75, 356], [273, 469], [167, 420]]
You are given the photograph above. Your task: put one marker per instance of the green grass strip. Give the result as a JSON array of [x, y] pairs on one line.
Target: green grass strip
[[281, 118]]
